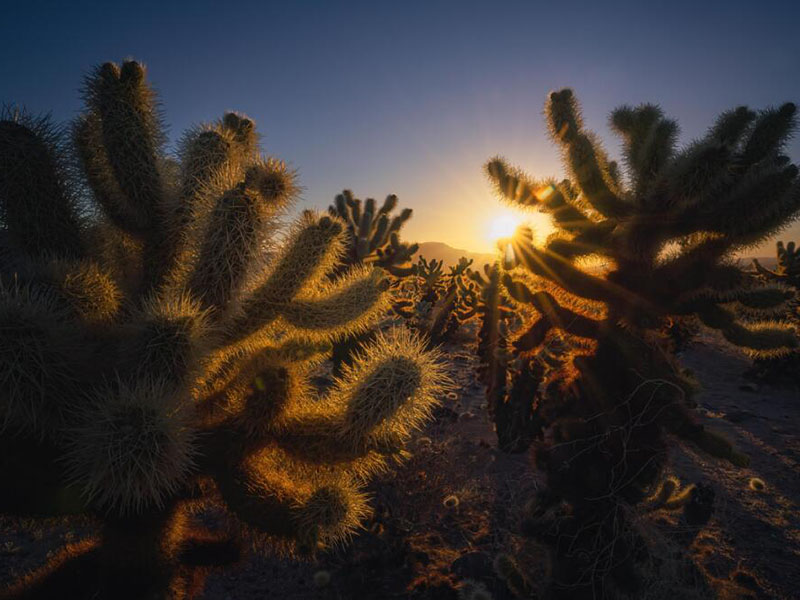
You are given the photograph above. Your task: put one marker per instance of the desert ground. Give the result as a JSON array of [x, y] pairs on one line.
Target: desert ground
[[441, 518]]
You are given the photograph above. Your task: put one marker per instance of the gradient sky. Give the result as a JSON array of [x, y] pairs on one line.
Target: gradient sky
[[412, 97]]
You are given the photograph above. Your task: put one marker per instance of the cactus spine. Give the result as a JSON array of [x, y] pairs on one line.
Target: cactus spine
[[605, 441], [163, 345]]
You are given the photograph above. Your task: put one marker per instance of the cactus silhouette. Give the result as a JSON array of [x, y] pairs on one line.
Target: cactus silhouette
[[155, 351], [373, 240], [664, 229], [510, 384], [431, 274], [374, 235], [456, 304], [788, 268]]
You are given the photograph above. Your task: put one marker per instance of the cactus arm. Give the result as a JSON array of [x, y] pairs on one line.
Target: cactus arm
[[575, 280], [107, 193], [213, 159], [314, 247], [592, 240], [398, 221], [37, 207], [759, 339], [389, 204], [375, 235], [380, 236], [517, 188], [763, 198], [131, 133], [771, 130], [583, 155], [349, 305], [649, 142], [548, 307], [241, 220], [731, 125]]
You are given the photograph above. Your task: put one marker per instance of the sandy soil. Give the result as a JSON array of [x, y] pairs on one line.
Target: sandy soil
[[440, 519]]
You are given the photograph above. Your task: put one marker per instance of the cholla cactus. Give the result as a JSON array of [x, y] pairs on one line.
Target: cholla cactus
[[664, 233], [456, 304], [431, 274], [511, 385], [162, 346], [373, 240], [374, 235], [788, 269]]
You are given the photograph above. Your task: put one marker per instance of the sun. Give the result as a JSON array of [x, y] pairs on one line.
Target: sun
[[503, 226]]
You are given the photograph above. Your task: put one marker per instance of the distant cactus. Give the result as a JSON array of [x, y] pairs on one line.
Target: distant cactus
[[374, 235], [373, 240], [456, 304], [788, 269], [431, 274], [664, 231], [155, 353], [511, 384]]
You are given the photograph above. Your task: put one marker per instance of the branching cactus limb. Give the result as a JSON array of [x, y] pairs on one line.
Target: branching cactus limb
[[373, 240], [615, 403], [511, 384], [374, 235], [155, 351], [456, 304]]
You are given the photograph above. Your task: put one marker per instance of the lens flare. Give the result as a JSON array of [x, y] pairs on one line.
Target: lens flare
[[503, 226]]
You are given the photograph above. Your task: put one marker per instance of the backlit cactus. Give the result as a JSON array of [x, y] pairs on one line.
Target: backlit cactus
[[664, 230], [431, 273], [155, 353], [456, 304], [374, 235], [788, 267], [510, 383]]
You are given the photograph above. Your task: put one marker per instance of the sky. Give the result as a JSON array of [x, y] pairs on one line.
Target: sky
[[410, 97]]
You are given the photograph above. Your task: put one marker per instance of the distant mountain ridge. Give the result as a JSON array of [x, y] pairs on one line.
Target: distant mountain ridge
[[450, 255]]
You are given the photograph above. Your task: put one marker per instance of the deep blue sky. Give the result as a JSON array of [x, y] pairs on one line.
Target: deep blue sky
[[411, 97]]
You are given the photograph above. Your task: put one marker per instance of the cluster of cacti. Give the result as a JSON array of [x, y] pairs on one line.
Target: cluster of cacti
[[511, 384], [437, 303], [374, 236], [455, 305], [665, 231], [430, 278], [373, 240], [156, 343], [788, 265]]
